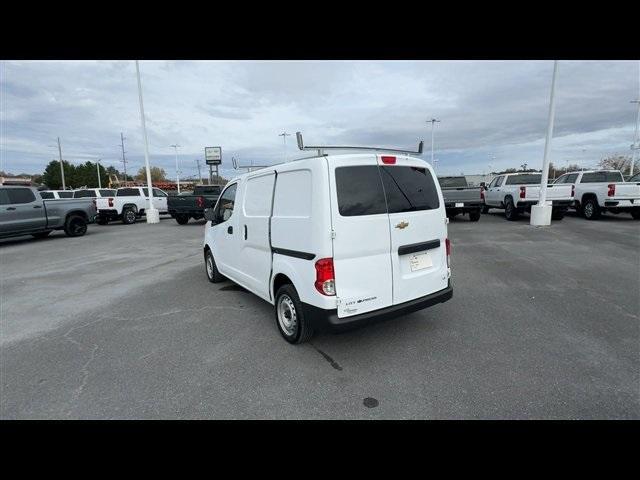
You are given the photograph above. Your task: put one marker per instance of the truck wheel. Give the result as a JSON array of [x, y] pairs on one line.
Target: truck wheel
[[290, 316], [129, 216], [102, 220], [474, 216], [558, 214], [635, 214], [75, 226], [451, 216], [41, 234], [510, 211], [485, 209], [591, 210], [213, 274], [182, 219]]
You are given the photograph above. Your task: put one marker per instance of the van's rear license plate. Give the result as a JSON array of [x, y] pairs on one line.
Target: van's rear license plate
[[420, 261], [459, 205]]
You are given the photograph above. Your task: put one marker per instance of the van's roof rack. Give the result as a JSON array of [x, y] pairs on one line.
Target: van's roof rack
[[320, 149]]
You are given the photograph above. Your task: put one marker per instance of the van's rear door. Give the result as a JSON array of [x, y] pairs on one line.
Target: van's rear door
[[362, 245], [417, 225]]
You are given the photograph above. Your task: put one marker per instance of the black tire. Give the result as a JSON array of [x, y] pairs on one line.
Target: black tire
[[182, 219], [102, 220], [510, 211], [578, 208], [485, 209], [474, 216], [75, 226], [129, 215], [41, 234], [591, 209], [451, 216], [211, 268], [558, 214], [635, 214], [300, 331]]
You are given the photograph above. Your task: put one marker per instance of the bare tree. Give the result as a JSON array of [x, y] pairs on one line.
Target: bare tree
[[617, 162]]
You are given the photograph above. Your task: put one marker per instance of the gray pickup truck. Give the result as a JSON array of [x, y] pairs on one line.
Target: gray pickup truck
[[24, 212], [184, 206], [460, 198]]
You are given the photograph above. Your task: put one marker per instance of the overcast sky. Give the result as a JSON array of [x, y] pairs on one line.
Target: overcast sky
[[496, 108]]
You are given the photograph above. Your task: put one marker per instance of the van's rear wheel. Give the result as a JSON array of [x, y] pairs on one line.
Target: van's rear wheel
[[213, 274], [290, 316]]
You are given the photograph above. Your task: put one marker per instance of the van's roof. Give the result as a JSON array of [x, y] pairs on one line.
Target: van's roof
[[304, 160]]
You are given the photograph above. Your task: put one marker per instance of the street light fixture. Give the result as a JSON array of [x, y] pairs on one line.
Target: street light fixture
[[284, 136]]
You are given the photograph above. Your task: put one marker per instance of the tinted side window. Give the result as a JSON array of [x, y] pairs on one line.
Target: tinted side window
[[571, 178], [226, 204], [499, 181], [46, 195], [359, 191], [409, 189], [84, 193], [20, 195], [562, 179], [157, 193], [4, 197], [107, 193], [128, 192], [65, 194]]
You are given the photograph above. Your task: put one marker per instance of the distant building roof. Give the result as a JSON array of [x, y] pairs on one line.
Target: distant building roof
[[15, 181]]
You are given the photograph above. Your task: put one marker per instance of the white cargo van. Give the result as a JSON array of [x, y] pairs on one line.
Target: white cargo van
[[334, 241]]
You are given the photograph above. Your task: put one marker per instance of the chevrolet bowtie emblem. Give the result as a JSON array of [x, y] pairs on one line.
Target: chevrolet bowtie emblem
[[402, 225]]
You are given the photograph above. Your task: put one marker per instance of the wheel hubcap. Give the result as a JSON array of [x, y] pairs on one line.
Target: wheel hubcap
[[287, 317], [588, 209], [209, 266]]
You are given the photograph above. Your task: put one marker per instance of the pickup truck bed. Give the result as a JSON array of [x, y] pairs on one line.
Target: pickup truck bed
[[459, 198], [184, 207]]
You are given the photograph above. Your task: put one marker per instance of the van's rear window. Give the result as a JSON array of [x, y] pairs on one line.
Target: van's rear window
[[361, 190], [409, 189]]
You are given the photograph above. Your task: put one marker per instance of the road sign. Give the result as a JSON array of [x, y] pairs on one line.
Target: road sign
[[213, 155]]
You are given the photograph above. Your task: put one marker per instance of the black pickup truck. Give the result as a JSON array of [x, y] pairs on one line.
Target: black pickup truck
[[183, 207]]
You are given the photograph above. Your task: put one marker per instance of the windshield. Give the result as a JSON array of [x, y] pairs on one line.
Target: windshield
[[524, 179], [452, 181]]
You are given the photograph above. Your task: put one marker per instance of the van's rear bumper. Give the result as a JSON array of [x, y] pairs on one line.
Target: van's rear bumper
[[327, 320]]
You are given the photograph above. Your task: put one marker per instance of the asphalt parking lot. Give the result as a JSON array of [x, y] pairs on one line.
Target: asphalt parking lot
[[122, 323]]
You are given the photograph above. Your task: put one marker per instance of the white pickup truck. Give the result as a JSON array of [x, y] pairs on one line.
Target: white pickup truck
[[517, 192], [129, 204], [599, 191]]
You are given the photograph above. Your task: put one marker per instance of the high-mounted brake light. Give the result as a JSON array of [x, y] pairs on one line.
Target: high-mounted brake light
[[111, 202], [612, 190], [325, 278], [388, 159], [523, 192]]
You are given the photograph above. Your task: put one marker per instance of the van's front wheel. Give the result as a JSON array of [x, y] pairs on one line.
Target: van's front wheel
[[290, 316], [211, 268]]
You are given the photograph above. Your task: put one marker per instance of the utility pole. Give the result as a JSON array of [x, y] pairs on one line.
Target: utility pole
[[284, 136], [124, 160], [152, 214], [433, 121], [98, 168], [175, 148], [61, 166], [199, 173], [541, 213]]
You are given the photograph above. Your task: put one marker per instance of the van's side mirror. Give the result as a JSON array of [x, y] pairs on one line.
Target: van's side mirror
[[210, 215]]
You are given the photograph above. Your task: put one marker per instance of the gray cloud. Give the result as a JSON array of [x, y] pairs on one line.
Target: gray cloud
[[486, 108]]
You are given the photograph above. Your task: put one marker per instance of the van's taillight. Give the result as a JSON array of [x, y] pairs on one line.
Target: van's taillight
[[573, 190], [325, 278], [447, 244], [388, 160], [523, 192], [200, 202], [111, 202], [612, 190]]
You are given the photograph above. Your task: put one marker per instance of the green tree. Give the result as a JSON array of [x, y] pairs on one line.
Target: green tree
[[51, 175]]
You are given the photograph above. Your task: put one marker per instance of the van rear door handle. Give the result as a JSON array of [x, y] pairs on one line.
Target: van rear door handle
[[230, 229]]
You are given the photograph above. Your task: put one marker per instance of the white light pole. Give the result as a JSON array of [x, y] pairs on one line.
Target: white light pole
[[433, 121], [541, 213], [284, 136], [61, 166], [98, 169], [175, 147], [152, 214], [636, 141]]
